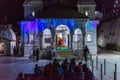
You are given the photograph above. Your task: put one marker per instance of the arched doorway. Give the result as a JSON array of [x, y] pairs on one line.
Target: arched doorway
[[77, 39], [46, 42], [62, 37]]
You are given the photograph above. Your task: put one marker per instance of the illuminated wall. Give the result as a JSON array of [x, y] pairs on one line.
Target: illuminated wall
[[91, 36], [30, 29], [32, 32]]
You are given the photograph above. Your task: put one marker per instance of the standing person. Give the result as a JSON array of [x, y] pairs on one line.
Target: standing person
[[14, 51], [60, 42], [85, 53], [37, 54], [34, 54], [17, 51]]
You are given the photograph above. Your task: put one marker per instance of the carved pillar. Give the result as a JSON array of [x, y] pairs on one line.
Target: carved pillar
[[71, 41], [52, 43], [41, 36], [68, 42], [84, 33], [56, 43]]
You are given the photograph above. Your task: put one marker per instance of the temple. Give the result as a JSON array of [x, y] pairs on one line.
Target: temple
[[59, 26]]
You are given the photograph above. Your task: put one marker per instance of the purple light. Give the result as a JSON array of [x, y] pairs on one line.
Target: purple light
[[91, 24], [28, 26], [41, 24]]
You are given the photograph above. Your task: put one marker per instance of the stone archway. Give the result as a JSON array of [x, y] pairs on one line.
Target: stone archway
[[46, 40], [77, 39], [62, 37]]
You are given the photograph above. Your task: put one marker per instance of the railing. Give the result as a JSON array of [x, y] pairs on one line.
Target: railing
[[105, 67]]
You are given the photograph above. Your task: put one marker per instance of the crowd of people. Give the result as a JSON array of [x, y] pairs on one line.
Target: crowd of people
[[65, 71]]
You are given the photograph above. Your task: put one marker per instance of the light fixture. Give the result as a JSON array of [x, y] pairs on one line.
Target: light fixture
[[33, 13], [86, 13]]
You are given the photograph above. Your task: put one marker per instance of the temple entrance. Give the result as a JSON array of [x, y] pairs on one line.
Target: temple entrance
[[62, 37]]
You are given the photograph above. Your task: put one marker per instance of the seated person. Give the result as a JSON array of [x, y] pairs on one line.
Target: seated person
[[20, 76], [48, 73], [78, 71], [37, 70]]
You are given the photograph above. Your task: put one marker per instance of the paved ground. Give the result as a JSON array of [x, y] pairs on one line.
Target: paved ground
[[111, 58], [10, 67]]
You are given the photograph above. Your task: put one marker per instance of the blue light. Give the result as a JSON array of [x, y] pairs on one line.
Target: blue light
[[65, 21], [71, 24], [41, 24]]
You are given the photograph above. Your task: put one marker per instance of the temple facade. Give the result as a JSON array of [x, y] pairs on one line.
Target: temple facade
[[58, 25]]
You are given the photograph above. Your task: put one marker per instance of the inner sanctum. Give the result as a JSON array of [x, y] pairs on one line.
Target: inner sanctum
[[60, 39]]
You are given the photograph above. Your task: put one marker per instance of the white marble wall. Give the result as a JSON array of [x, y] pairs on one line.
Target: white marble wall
[[91, 41], [109, 32], [28, 49]]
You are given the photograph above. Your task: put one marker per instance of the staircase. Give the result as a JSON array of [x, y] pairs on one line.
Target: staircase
[[60, 55]]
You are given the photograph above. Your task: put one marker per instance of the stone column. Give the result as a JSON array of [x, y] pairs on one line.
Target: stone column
[[84, 34], [53, 35], [68, 41], [56, 43], [41, 36], [71, 41]]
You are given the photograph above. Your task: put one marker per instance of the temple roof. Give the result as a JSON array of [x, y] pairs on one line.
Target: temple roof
[[59, 12]]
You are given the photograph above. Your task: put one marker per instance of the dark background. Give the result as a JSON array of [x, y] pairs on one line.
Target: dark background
[[13, 10]]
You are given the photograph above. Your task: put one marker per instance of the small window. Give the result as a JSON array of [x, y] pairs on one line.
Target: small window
[[89, 37]]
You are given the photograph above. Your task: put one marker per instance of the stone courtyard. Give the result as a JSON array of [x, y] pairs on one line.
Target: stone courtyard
[[10, 67]]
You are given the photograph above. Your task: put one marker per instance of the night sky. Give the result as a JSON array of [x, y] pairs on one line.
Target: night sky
[[14, 11]]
